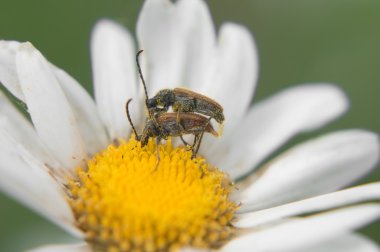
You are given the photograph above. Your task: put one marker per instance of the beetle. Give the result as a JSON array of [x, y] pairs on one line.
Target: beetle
[[181, 100], [166, 125], [172, 124]]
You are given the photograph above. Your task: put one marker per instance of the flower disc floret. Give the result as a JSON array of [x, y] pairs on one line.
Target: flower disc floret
[[123, 202]]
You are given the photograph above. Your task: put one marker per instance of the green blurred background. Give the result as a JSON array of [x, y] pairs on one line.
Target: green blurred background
[[299, 41]]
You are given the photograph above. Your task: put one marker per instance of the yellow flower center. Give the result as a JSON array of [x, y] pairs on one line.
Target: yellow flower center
[[123, 203]]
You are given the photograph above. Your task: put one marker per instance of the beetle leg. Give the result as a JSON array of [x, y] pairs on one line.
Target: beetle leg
[[195, 141], [195, 152], [194, 146], [188, 146], [178, 121], [178, 108]]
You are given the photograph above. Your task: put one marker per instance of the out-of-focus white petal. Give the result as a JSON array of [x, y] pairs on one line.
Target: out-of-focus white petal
[[272, 122], [84, 108], [160, 34], [81, 102], [18, 127], [344, 243], [81, 247], [306, 232], [29, 181], [234, 73], [194, 250], [199, 37], [179, 44], [50, 111], [114, 73], [318, 166], [8, 74], [320, 203]]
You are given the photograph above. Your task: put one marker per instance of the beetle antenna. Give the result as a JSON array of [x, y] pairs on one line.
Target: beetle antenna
[[141, 75], [129, 117]]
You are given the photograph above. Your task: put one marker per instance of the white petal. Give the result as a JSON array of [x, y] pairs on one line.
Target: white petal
[[50, 111], [345, 243], [273, 121], [160, 36], [86, 114], [320, 203], [113, 54], [306, 232], [234, 73], [18, 127], [82, 104], [8, 74], [199, 37], [194, 250], [28, 180], [82, 247], [316, 167]]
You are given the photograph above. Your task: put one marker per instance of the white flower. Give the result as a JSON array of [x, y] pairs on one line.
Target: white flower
[[293, 203]]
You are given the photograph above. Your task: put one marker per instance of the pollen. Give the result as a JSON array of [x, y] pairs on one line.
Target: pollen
[[123, 201]]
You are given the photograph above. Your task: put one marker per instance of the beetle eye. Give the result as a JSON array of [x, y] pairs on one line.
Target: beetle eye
[[151, 103]]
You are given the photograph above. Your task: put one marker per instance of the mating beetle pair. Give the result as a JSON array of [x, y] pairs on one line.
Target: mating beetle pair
[[189, 116], [184, 100]]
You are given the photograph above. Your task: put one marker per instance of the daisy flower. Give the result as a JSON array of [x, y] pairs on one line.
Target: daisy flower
[[75, 163]]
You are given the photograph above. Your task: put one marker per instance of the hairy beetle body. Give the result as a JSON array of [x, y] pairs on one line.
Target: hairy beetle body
[[185, 100]]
